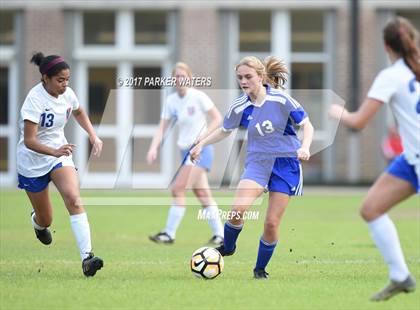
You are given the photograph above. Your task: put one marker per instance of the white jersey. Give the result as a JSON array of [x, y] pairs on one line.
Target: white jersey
[[397, 86], [190, 113], [51, 114]]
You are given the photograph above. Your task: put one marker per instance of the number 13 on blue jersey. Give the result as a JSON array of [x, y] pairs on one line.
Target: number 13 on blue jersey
[[266, 127]]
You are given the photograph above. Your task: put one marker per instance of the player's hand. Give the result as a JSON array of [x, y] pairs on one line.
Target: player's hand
[[337, 111], [195, 153], [151, 156], [96, 145], [64, 150], [303, 153]]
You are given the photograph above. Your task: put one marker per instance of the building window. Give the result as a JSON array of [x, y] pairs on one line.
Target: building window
[[150, 27], [123, 45], [307, 75], [307, 31], [101, 99], [254, 31], [4, 151], [4, 95], [140, 146], [147, 99], [412, 15], [4, 118], [7, 34], [99, 28], [107, 162]]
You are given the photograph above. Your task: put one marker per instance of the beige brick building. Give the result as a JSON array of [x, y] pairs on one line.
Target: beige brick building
[[107, 40]]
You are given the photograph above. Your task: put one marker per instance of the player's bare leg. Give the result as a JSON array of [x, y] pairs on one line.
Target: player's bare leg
[[42, 214], [201, 189], [277, 204], [177, 210], [246, 193], [387, 192], [67, 183]]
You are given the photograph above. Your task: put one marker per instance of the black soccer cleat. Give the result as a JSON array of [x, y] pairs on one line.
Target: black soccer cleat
[[43, 235], [260, 274], [91, 265], [223, 252], [162, 237]]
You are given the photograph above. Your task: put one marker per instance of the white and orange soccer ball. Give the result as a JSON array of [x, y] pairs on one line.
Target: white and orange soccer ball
[[206, 263]]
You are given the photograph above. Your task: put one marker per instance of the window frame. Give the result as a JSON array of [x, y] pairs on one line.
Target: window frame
[[124, 55], [8, 59]]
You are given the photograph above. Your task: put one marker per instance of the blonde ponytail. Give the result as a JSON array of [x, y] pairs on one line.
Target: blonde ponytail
[[276, 72]]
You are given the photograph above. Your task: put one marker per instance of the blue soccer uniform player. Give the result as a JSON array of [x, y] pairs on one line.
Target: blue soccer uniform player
[[273, 152]]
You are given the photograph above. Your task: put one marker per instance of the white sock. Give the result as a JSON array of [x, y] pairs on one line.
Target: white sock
[[81, 230], [35, 223], [175, 216], [385, 236], [212, 215]]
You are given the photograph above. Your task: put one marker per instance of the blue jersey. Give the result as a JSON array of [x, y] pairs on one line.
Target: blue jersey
[[270, 126]]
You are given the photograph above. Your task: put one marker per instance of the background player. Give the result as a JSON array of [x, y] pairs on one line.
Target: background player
[[43, 154], [397, 86], [189, 108], [273, 151]]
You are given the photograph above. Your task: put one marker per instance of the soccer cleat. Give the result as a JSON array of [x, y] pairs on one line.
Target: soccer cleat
[[43, 235], [91, 265], [216, 241], [260, 274], [394, 287], [223, 252], [162, 237]]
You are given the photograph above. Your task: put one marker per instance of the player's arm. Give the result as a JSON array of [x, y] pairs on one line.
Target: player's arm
[[215, 121], [308, 134], [216, 136], [83, 119], [157, 139], [358, 119], [30, 129]]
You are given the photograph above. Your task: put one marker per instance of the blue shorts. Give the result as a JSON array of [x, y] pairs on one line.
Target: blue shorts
[[36, 184], [206, 157], [281, 174], [400, 168]]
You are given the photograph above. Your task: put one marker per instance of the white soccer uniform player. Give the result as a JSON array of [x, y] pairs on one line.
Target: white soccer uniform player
[[397, 86], [190, 113], [51, 114]]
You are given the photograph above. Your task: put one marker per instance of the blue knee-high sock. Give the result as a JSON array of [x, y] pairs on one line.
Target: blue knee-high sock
[[265, 251], [231, 235]]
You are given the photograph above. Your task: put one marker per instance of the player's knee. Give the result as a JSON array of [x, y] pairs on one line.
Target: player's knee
[[368, 211], [204, 195], [74, 202], [239, 210], [271, 226], [178, 190]]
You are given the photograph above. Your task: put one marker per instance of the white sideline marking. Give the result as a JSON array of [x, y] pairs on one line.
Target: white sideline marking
[[233, 262], [152, 201]]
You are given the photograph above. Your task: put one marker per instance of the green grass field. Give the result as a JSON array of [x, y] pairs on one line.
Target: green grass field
[[325, 259]]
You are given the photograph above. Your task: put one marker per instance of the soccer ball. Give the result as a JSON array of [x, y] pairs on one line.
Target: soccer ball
[[206, 263]]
